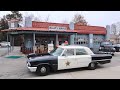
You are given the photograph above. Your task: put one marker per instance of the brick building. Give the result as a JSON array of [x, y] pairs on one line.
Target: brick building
[[36, 33]]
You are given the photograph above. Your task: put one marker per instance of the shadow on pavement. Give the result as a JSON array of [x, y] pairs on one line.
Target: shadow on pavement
[[74, 70], [67, 71]]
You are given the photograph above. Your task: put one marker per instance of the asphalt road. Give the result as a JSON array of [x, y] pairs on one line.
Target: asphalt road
[[16, 69]]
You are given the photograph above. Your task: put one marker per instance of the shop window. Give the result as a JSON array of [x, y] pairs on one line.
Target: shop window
[[86, 42], [77, 42], [82, 42]]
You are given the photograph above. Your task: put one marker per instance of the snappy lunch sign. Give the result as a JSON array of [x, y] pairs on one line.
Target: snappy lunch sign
[[57, 28]]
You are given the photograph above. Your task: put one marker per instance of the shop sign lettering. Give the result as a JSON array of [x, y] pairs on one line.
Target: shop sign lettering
[[57, 28]]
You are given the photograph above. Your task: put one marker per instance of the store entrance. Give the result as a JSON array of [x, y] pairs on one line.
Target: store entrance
[[42, 42]]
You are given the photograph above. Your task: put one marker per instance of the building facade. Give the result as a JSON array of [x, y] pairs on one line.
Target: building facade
[[114, 32], [39, 34]]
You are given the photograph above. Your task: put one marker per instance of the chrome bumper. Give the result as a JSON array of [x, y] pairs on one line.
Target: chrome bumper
[[32, 69]]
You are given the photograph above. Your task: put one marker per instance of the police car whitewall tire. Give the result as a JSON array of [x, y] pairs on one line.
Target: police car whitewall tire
[[43, 70], [92, 66]]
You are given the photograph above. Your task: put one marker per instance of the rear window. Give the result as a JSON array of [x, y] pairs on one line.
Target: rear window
[[81, 51], [68, 52]]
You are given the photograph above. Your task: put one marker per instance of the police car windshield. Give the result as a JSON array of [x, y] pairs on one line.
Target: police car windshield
[[57, 52]]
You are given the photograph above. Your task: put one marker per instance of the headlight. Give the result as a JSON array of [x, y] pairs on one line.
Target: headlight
[[113, 48]]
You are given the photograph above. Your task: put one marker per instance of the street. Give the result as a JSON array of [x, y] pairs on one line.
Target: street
[[16, 69]]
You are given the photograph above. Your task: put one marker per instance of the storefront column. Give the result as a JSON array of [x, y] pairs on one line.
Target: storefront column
[[57, 42], [10, 42], [91, 41], [13, 42], [7, 43], [108, 32], [34, 42], [72, 39]]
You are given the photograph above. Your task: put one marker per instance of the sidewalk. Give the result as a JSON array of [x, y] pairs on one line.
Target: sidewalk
[[3, 51], [15, 52]]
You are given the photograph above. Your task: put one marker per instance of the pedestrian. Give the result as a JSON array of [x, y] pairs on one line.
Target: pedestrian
[[65, 43]]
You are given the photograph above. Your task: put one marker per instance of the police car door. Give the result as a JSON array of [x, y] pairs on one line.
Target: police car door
[[82, 57], [67, 59]]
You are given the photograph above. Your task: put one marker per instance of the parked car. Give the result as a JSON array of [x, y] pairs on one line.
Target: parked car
[[117, 47], [4, 44], [107, 47], [65, 57]]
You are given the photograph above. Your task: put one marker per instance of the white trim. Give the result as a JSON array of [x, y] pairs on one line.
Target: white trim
[[32, 69], [63, 52]]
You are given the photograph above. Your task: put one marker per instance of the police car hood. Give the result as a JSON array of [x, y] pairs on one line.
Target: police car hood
[[42, 58], [33, 55]]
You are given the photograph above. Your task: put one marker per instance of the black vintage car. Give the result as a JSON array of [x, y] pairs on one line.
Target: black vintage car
[[107, 47], [117, 47]]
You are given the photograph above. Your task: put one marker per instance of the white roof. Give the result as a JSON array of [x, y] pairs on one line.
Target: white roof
[[78, 46]]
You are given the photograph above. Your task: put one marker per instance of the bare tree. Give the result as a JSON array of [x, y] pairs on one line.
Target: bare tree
[[37, 19], [114, 29], [78, 18], [65, 21], [31, 16], [47, 18], [115, 32]]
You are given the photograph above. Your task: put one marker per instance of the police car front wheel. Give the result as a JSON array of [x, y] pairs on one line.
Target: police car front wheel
[[43, 70], [92, 66]]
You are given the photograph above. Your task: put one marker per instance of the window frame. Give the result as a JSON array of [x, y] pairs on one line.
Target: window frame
[[67, 49], [81, 54]]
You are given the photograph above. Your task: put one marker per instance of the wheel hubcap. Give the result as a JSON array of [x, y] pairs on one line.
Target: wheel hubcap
[[43, 70], [92, 64]]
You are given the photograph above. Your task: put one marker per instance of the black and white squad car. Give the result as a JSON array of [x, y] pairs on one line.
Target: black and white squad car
[[65, 57]]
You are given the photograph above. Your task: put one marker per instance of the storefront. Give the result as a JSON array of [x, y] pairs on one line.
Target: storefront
[[37, 37], [89, 36], [33, 40]]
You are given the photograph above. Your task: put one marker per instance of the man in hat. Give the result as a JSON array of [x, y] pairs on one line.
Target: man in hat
[[65, 43]]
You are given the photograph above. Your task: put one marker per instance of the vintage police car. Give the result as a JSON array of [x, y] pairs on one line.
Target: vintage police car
[[65, 57]]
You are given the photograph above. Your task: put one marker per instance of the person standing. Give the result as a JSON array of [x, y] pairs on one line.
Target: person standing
[[65, 43]]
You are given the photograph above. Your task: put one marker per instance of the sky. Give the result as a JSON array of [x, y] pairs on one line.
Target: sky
[[94, 18]]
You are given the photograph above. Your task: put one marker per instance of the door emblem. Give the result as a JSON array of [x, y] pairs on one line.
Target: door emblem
[[67, 63]]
